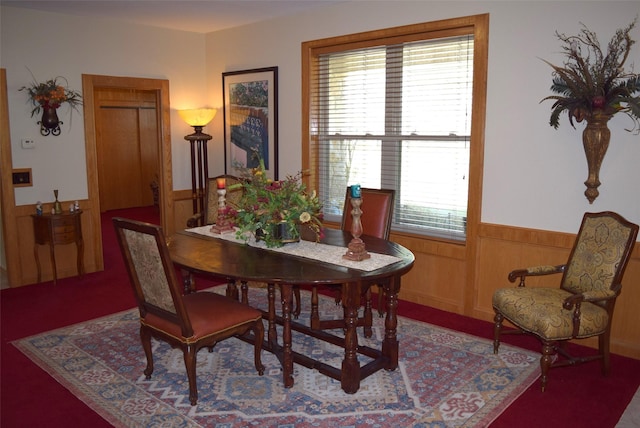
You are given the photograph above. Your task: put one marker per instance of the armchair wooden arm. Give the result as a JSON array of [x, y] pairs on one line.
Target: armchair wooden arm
[[534, 271]]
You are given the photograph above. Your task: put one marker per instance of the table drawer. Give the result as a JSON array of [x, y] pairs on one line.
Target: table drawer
[[64, 221], [64, 237]]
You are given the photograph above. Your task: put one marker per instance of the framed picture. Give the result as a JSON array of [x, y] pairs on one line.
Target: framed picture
[[251, 120]]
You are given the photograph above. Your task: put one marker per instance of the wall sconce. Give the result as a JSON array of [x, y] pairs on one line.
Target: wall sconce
[[198, 118]]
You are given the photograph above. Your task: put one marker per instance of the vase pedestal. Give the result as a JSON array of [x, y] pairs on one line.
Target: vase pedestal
[[595, 139], [49, 124]]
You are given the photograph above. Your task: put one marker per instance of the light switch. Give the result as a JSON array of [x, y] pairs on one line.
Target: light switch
[[28, 144]]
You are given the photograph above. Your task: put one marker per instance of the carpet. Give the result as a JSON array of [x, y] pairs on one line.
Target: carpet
[[445, 378]]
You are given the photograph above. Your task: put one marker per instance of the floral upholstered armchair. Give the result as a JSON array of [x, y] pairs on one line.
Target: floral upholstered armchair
[[583, 304]]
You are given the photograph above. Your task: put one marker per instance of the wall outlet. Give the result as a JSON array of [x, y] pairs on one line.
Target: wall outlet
[[28, 144]]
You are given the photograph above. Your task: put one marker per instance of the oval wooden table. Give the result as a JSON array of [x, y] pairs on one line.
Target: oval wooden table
[[237, 262]]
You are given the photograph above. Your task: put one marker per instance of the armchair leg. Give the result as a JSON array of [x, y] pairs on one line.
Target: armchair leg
[[603, 345], [145, 338], [190, 363], [497, 329], [545, 362], [258, 334]]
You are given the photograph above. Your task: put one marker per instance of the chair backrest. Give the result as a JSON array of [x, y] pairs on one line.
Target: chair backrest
[[377, 211], [232, 197], [600, 254], [151, 272]]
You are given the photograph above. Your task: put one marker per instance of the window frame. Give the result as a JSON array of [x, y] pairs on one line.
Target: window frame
[[477, 25]]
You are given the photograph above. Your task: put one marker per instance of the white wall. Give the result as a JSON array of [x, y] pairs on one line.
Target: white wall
[[53, 45], [533, 174]]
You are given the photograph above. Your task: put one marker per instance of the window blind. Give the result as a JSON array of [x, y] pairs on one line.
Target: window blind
[[397, 116]]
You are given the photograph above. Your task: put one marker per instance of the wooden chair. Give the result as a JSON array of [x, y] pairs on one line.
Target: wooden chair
[[583, 304], [377, 215], [210, 211], [188, 322]]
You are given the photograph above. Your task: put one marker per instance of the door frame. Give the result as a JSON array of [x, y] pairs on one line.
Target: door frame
[[165, 176]]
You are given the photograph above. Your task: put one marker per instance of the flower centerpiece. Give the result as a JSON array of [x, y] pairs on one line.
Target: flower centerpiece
[[274, 211], [48, 96], [594, 86]]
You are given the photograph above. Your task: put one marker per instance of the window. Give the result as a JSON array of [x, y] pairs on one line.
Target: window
[[396, 112]]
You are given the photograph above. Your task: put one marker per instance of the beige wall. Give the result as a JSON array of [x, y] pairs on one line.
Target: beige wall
[[50, 45], [533, 174]]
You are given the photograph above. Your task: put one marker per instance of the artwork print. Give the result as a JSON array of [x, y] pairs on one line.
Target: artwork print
[[250, 120]]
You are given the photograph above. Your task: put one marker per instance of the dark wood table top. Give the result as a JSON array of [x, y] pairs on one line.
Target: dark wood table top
[[246, 263]]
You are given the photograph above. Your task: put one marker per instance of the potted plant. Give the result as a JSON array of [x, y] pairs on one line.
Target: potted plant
[[274, 211], [594, 86], [48, 96]]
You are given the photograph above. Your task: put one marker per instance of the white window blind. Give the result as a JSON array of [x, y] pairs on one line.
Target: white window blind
[[398, 116]]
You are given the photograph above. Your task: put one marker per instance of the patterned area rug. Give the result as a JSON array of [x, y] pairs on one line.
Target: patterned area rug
[[445, 378]]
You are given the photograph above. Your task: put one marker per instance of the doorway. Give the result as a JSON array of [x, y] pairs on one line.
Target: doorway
[[127, 145], [152, 99]]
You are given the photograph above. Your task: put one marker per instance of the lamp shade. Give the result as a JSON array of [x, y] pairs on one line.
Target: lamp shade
[[198, 117]]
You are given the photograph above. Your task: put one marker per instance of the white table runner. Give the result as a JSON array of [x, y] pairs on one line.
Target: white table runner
[[310, 250]]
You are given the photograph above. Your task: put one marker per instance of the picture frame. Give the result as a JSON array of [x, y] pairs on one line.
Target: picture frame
[[251, 120]]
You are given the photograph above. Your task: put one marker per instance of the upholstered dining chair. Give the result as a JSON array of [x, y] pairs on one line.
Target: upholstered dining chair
[[189, 322], [377, 215], [583, 304], [210, 211]]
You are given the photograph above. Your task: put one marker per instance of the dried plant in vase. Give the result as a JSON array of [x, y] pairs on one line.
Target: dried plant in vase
[[594, 86], [48, 96]]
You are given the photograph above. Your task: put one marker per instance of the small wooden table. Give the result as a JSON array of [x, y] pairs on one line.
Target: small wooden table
[[58, 229]]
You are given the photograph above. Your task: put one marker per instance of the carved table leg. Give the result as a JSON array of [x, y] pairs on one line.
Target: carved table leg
[[390, 342], [287, 356], [272, 335], [350, 376], [315, 315]]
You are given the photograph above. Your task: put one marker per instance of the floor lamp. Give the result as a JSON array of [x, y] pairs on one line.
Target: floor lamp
[[198, 118]]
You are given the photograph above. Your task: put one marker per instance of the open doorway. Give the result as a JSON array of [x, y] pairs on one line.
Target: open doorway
[[156, 92]]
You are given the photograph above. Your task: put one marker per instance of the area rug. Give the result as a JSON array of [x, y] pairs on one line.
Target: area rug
[[445, 378]]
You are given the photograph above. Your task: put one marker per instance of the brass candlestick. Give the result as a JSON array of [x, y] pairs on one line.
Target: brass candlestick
[[356, 249], [57, 206], [222, 223]]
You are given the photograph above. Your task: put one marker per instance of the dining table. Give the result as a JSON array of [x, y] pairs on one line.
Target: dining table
[[304, 264]]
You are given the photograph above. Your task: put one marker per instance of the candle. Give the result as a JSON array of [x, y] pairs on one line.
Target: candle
[[355, 191], [221, 183]]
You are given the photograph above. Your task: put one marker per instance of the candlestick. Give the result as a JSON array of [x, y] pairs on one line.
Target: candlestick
[[222, 223], [356, 249], [356, 191]]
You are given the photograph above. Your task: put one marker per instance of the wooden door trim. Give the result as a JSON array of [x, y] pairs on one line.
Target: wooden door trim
[[161, 86], [7, 198]]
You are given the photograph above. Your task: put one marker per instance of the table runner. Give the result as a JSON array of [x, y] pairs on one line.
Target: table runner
[[310, 250]]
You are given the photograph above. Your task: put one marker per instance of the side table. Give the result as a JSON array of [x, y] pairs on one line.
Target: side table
[[58, 229]]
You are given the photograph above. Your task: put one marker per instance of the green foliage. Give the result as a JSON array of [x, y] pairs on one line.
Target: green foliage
[[266, 203], [591, 83]]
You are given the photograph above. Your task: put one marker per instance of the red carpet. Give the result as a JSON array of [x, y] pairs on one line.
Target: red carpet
[[575, 397]]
